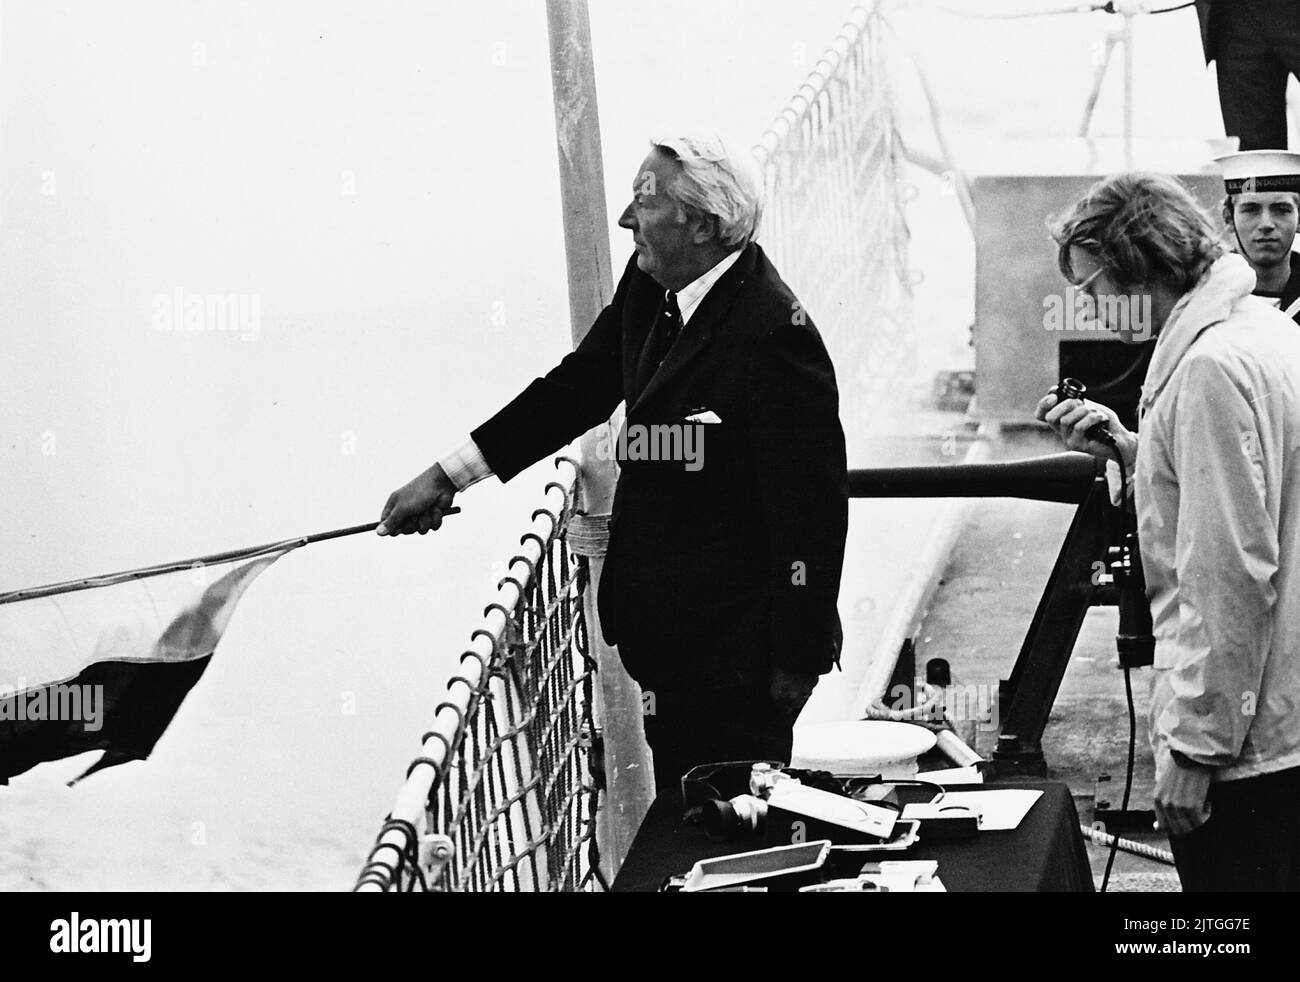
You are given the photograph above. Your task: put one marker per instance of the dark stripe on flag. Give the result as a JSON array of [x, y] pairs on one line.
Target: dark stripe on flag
[[138, 703]]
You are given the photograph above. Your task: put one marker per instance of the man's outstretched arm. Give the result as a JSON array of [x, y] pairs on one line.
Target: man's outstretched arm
[[580, 392]]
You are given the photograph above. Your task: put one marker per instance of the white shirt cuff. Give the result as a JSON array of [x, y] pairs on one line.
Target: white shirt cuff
[[465, 465]]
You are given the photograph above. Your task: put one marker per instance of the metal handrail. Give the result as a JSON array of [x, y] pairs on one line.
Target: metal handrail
[[392, 848], [807, 95]]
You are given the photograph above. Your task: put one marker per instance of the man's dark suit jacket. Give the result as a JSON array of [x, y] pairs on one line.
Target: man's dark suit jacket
[[1211, 26], [715, 575], [1205, 13]]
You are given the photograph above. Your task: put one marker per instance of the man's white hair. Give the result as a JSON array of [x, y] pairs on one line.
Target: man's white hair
[[719, 177]]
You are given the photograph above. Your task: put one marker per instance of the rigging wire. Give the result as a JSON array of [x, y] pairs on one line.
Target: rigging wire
[[1083, 8]]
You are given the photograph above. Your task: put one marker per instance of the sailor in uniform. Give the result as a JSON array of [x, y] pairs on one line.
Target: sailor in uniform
[[1262, 209]]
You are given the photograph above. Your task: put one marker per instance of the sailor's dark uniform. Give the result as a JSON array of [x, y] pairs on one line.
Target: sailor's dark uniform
[[1289, 300]]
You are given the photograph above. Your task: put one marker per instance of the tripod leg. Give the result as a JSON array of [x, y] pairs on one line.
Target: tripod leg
[[1025, 699]]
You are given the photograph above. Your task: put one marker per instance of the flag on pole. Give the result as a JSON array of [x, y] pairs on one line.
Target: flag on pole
[[104, 663]]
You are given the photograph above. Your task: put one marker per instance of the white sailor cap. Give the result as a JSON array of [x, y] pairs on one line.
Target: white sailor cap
[[1250, 171]]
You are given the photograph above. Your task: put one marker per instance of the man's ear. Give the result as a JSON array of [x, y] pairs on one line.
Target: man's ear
[[704, 228]]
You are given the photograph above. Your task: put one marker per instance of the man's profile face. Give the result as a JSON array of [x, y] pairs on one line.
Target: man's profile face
[[1266, 225], [1128, 315], [663, 236]]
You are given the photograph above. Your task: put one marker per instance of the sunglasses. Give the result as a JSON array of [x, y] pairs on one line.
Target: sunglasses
[[1087, 282]]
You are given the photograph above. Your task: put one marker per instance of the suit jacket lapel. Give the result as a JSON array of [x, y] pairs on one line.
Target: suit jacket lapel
[[693, 340], [698, 332]]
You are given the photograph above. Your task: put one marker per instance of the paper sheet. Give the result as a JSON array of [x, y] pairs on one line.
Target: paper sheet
[[953, 775], [999, 809]]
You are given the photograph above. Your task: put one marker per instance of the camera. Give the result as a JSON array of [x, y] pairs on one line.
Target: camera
[[743, 814], [1071, 388]]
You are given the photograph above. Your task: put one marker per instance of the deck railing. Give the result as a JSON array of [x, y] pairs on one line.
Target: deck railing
[[502, 795]]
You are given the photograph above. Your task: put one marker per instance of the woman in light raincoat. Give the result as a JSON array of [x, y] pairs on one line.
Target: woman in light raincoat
[[1215, 480]]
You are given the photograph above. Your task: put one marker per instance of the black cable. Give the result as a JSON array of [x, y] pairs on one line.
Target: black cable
[[1130, 518], [1131, 521], [1072, 389], [1128, 776]]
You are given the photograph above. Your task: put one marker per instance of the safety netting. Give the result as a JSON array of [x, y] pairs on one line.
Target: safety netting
[[502, 796], [835, 223]]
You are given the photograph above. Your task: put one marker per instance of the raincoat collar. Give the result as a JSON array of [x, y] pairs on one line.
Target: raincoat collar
[[1219, 289]]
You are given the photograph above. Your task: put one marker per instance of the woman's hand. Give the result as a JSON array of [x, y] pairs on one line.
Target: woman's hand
[[1072, 418]]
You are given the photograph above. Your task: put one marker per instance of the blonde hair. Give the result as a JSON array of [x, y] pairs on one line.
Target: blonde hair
[[1142, 227]]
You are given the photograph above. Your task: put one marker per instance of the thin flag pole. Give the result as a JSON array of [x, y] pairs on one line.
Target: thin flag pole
[[248, 552]]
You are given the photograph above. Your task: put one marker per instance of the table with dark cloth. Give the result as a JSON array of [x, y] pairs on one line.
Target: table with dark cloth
[[1046, 852]]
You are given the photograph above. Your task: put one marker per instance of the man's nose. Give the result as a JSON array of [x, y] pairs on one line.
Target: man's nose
[[625, 219]]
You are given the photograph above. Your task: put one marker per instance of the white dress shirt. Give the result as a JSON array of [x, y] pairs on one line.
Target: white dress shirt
[[465, 465]]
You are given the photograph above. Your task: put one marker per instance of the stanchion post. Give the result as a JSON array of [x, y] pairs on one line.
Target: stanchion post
[[629, 778]]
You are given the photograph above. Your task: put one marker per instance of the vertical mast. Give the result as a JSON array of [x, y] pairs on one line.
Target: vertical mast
[[629, 779]]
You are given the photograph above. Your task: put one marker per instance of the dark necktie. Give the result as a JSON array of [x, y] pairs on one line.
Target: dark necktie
[[671, 324]]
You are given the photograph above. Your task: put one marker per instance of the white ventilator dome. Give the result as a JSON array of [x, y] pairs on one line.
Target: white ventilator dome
[[857, 748]]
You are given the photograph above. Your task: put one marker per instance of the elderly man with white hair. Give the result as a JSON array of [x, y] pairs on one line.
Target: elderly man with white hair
[[729, 520]]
